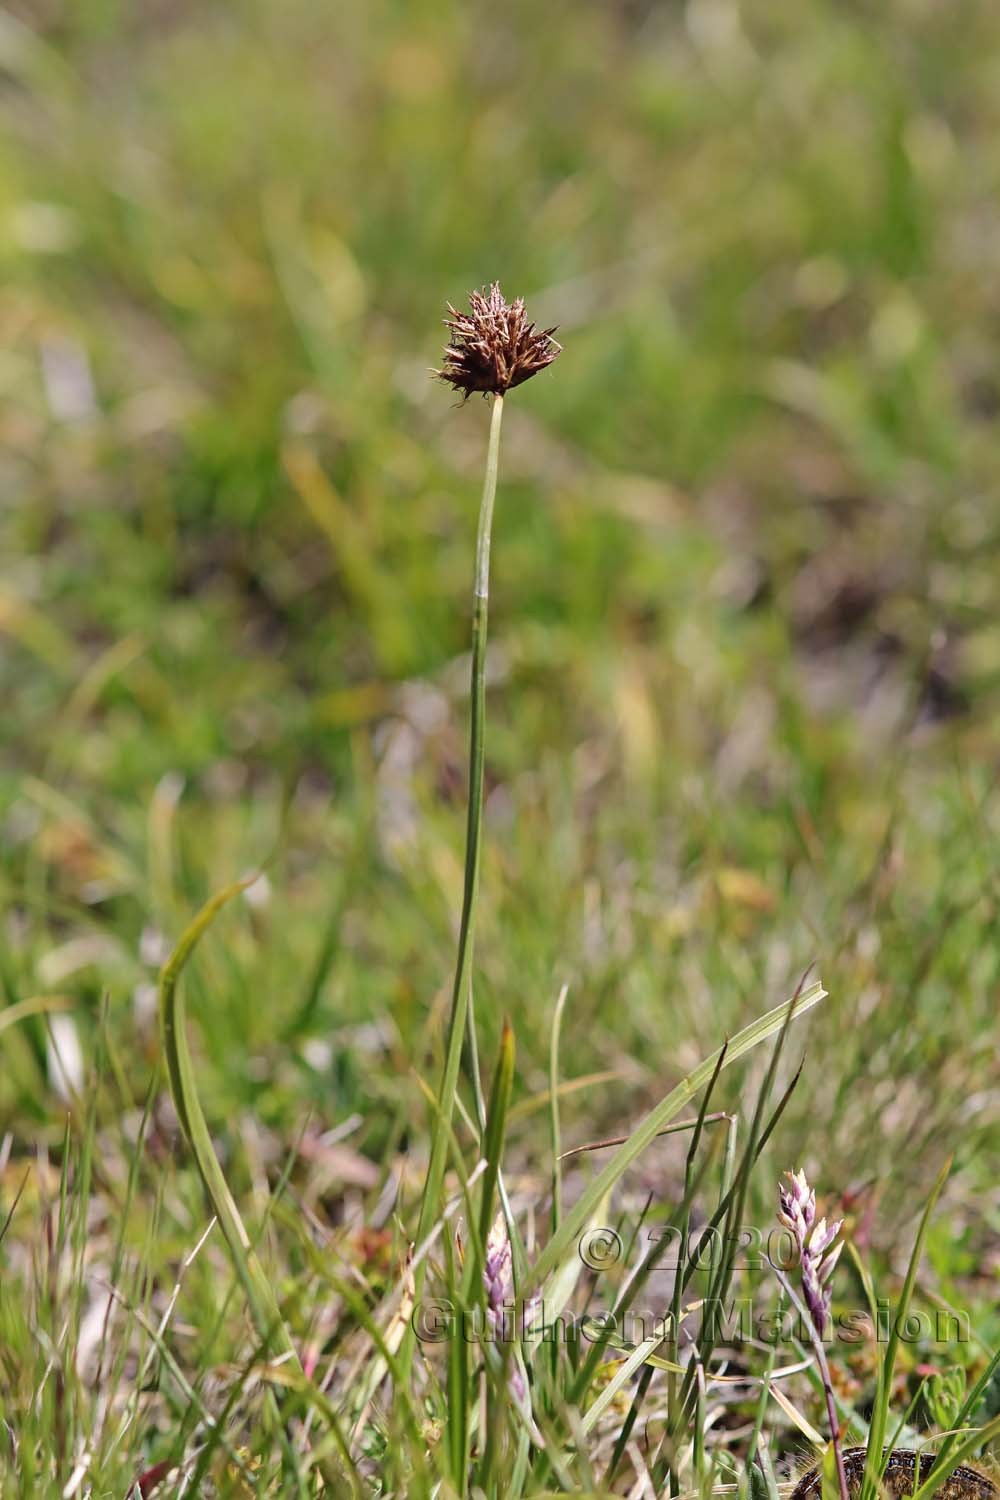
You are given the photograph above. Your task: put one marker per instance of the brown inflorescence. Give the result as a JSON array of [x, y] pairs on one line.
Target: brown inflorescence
[[493, 346]]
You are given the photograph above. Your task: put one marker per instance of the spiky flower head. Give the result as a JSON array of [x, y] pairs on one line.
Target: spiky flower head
[[814, 1239], [493, 346]]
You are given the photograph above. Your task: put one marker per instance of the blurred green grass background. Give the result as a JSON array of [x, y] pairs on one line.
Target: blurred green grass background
[[745, 648]]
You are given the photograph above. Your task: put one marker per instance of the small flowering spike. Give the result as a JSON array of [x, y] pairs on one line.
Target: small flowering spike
[[498, 1279], [493, 346], [498, 1272], [818, 1255], [814, 1241]]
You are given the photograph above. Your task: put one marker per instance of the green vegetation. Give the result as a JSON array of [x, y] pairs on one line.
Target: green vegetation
[[742, 717]]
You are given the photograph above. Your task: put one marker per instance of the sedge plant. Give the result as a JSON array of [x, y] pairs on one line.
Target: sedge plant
[[493, 348]]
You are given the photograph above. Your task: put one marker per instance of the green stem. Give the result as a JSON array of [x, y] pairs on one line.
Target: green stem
[[461, 999]]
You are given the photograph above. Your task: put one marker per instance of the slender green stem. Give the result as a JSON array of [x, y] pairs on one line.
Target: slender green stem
[[461, 1009], [477, 741], [554, 1108]]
